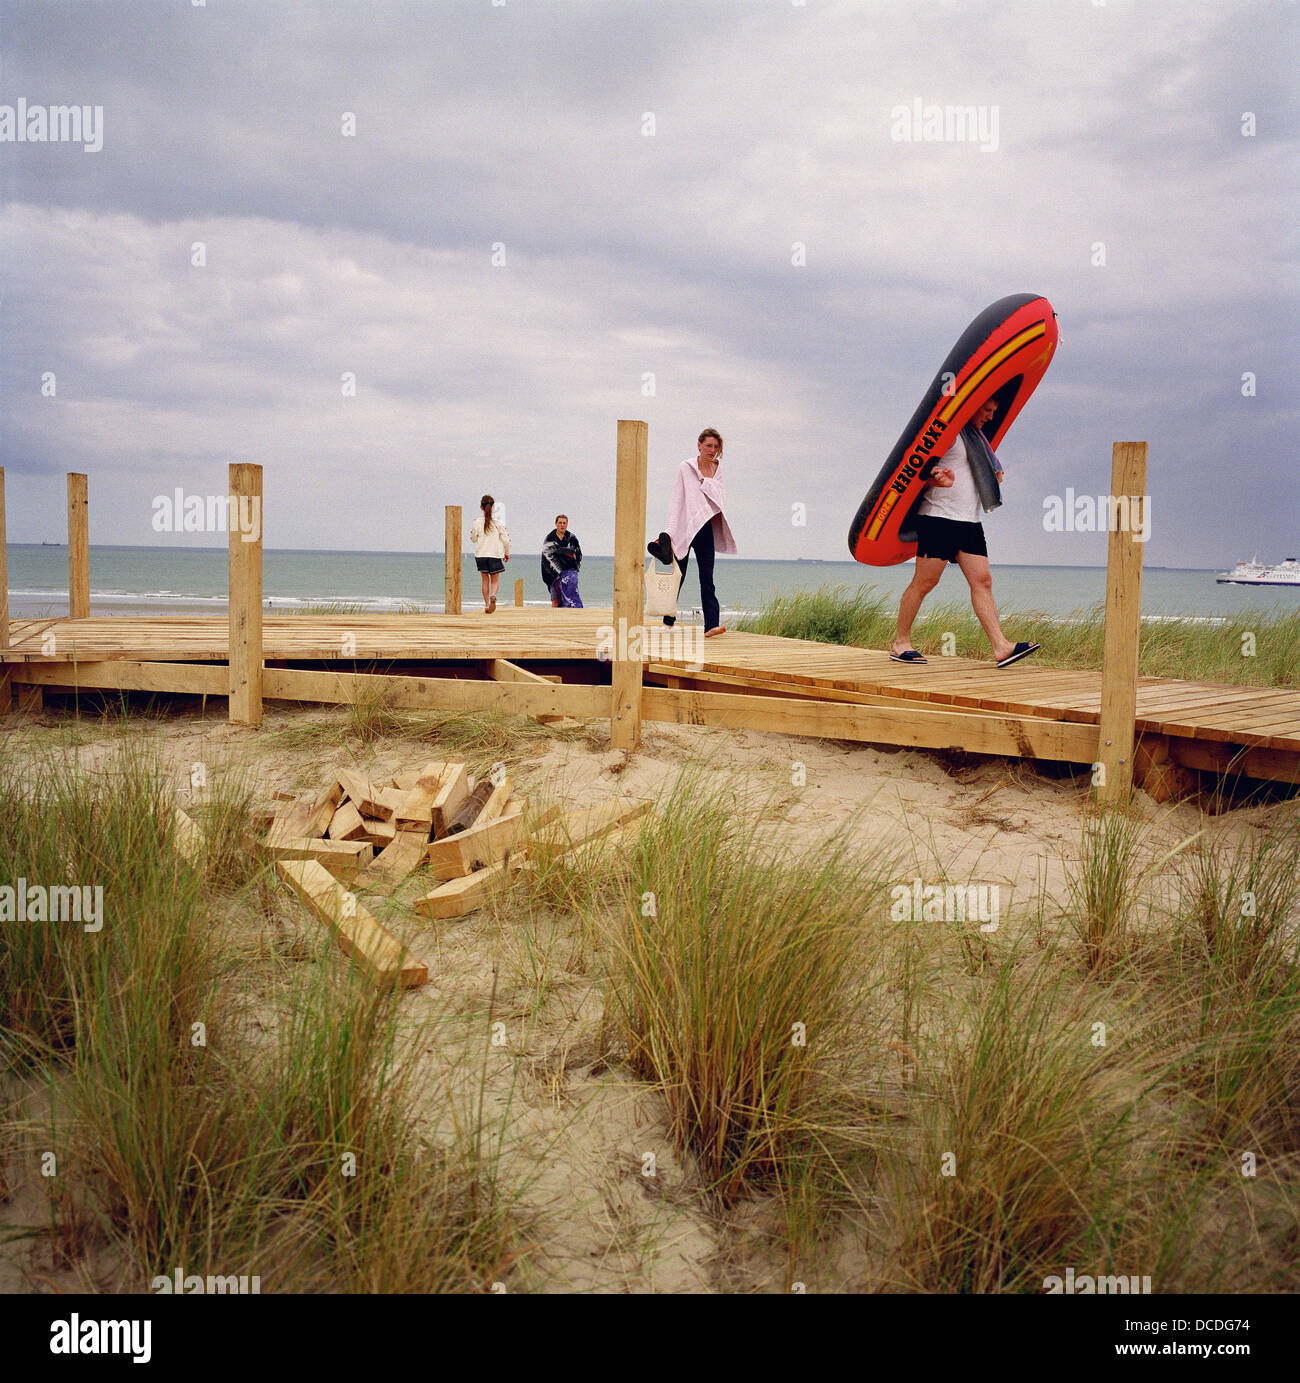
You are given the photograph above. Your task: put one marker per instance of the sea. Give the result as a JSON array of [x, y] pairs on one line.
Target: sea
[[176, 580]]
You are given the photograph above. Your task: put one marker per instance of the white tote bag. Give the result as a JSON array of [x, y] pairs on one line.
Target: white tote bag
[[661, 589]]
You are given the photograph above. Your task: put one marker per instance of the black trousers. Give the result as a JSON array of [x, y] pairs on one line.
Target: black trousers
[[702, 546]]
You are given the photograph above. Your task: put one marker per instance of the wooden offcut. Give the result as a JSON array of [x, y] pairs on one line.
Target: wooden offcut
[[416, 809], [395, 862], [483, 844], [1119, 664], [344, 859], [589, 823], [460, 896], [359, 935], [451, 793], [368, 799], [471, 805], [187, 836], [346, 823]]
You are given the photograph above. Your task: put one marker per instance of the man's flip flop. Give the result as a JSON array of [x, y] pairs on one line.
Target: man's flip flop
[[911, 656], [1021, 650]]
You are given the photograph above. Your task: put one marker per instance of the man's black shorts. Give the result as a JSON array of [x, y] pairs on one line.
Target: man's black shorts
[[945, 538]]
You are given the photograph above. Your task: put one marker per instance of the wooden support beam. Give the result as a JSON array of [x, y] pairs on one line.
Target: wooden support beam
[[245, 579], [4, 575], [434, 693], [502, 670], [629, 582], [1128, 489], [1276, 765], [519, 593], [1026, 737], [1157, 774], [78, 547], [199, 679], [451, 559], [359, 935]]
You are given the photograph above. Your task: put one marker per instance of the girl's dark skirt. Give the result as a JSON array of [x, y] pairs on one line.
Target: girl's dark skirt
[[490, 566]]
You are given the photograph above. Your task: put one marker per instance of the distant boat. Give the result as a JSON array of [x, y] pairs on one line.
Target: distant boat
[[1255, 573], [51, 544]]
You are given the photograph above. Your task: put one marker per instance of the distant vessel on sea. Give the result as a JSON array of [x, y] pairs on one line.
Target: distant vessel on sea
[[1255, 573]]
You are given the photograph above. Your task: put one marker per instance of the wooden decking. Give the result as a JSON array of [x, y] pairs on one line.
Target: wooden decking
[[752, 680]]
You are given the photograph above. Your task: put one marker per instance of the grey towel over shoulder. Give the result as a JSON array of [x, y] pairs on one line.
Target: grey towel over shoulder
[[984, 466]]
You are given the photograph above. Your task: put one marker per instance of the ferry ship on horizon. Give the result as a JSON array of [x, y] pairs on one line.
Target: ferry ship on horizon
[[1256, 573]]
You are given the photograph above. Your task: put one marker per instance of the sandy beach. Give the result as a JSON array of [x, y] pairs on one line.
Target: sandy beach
[[577, 1125]]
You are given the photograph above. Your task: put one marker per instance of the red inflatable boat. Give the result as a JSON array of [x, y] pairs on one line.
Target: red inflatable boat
[[1001, 356]]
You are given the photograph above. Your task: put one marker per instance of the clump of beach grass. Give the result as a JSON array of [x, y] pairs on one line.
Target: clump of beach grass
[[735, 985]]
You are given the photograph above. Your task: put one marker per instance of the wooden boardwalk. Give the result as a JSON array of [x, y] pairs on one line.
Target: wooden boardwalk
[[749, 680]]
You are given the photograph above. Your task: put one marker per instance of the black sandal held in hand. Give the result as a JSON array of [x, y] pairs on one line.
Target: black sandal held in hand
[[661, 549]]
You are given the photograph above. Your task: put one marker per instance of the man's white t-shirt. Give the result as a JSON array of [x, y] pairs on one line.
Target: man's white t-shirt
[[960, 500]]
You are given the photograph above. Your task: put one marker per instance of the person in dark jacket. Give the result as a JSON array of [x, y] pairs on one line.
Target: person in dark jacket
[[561, 558]]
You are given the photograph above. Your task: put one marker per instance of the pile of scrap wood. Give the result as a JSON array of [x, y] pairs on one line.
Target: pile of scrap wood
[[361, 835]]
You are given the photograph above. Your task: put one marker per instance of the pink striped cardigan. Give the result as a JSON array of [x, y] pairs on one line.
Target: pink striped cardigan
[[696, 500]]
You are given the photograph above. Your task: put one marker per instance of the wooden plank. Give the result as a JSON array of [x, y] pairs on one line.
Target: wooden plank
[[482, 845], [629, 583], [180, 678], [502, 670], [368, 799], [451, 548], [589, 823], [346, 824], [916, 727], [187, 836], [394, 862], [459, 896], [380, 834], [359, 935], [293, 821], [452, 791], [435, 693], [245, 587], [416, 809], [519, 593], [496, 805], [344, 859], [1276, 765], [1123, 626], [78, 546]]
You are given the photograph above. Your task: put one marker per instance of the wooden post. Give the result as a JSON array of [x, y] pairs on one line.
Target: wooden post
[[245, 652], [4, 574], [1128, 483], [629, 583], [78, 547], [451, 560], [519, 593]]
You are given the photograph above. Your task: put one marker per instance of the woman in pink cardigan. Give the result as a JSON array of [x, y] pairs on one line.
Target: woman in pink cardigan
[[696, 521]]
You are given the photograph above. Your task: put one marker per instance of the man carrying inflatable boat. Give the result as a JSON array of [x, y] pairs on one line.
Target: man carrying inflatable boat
[[943, 473], [948, 530]]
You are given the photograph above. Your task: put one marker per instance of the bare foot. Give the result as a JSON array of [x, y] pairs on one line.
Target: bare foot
[[718, 629]]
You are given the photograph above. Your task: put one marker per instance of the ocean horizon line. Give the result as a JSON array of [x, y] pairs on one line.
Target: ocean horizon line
[[605, 556]]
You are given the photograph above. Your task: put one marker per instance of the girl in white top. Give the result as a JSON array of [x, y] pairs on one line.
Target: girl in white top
[[491, 542]]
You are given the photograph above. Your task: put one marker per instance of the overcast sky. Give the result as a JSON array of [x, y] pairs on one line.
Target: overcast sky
[[649, 169]]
